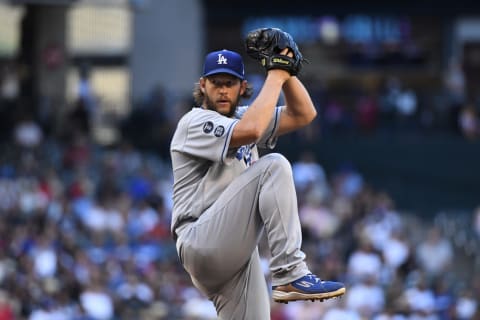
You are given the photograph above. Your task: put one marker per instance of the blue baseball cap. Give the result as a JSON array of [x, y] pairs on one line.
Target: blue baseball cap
[[224, 61]]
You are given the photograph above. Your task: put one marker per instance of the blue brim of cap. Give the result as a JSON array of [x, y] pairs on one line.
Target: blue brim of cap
[[223, 70]]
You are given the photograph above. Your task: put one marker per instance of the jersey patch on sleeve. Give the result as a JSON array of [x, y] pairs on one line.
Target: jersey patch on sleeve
[[219, 131], [208, 127]]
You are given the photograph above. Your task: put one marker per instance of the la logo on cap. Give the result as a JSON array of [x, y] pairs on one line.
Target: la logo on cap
[[221, 59]]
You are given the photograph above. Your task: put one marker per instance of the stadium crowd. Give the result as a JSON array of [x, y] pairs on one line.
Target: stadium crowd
[[85, 235]]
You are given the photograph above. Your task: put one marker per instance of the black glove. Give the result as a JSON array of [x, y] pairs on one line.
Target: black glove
[[265, 45]]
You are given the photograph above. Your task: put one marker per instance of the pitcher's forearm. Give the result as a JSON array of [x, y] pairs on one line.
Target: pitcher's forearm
[[298, 101], [258, 116]]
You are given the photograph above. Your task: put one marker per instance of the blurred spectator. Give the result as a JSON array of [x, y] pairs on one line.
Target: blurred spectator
[[341, 313], [347, 181], [7, 265], [32, 198], [96, 302], [78, 152], [316, 216], [389, 315], [364, 262], [367, 113], [395, 251], [79, 121], [419, 298], [86, 96], [102, 216], [407, 104], [27, 133], [469, 122], [366, 287], [80, 189], [7, 311], [444, 299], [476, 221], [455, 82], [336, 118], [435, 253], [197, 307], [140, 185], [134, 294], [44, 257], [142, 218], [9, 83], [308, 173], [277, 312], [388, 101], [381, 221], [304, 310], [130, 160], [466, 307]]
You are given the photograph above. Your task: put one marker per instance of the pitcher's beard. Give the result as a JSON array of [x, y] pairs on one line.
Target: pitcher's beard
[[211, 106]]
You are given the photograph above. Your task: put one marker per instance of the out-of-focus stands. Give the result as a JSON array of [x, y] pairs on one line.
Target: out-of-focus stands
[[85, 235], [85, 227]]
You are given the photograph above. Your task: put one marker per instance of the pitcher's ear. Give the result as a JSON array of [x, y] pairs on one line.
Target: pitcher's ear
[[243, 86], [201, 84]]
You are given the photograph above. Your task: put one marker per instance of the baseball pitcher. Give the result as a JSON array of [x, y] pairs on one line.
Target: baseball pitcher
[[225, 196]]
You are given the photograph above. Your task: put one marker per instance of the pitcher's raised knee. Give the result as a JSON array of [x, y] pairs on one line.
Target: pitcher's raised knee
[[278, 163]]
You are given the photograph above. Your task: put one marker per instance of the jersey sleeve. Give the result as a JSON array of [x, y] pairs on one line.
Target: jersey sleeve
[[206, 134], [269, 138]]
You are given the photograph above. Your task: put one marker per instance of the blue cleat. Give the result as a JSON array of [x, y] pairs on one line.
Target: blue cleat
[[308, 287]]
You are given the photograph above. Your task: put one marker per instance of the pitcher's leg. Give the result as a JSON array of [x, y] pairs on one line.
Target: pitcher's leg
[[245, 295], [279, 212], [222, 240]]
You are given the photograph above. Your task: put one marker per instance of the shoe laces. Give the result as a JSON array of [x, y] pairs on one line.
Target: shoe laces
[[313, 278]]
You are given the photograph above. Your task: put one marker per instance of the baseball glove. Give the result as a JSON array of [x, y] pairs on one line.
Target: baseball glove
[[265, 45]]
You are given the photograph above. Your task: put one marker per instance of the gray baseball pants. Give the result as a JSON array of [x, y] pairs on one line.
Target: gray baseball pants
[[219, 250]]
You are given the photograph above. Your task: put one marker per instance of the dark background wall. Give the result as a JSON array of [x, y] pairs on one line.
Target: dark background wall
[[216, 9], [424, 174]]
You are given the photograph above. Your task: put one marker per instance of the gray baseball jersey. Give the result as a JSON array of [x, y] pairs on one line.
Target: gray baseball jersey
[[203, 165], [224, 199]]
